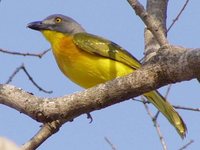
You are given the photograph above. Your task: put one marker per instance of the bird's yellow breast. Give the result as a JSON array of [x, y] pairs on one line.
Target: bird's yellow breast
[[81, 67]]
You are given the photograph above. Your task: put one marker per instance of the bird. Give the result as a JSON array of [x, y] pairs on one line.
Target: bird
[[88, 60]]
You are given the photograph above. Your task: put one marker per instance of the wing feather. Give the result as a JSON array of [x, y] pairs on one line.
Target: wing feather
[[98, 45]]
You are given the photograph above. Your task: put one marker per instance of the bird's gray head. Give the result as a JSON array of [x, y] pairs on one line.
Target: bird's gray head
[[59, 23]]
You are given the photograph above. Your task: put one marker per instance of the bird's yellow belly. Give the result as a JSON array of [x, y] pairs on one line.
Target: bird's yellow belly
[[86, 69], [83, 68], [90, 70]]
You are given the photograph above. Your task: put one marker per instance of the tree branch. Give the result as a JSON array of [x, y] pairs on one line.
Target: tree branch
[[168, 66], [179, 14], [187, 108], [186, 145], [46, 131], [40, 55], [110, 143], [152, 24], [156, 125], [23, 68], [181, 65]]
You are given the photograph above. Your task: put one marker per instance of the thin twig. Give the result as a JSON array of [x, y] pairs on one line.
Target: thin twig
[[110, 143], [187, 108], [156, 125], [22, 67], [146, 102], [25, 54], [186, 145], [47, 130], [14, 74], [139, 100], [31, 79], [179, 14], [168, 90], [157, 114], [175, 106]]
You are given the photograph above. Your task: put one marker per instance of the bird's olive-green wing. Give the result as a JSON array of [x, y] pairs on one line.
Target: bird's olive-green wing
[[98, 45]]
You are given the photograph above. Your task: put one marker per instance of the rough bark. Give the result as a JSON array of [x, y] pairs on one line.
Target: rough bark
[[168, 66]]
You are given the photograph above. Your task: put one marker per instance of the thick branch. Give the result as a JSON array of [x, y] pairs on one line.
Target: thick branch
[[155, 25], [158, 10], [174, 65]]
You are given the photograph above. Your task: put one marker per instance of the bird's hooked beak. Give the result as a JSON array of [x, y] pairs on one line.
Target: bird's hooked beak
[[39, 26]]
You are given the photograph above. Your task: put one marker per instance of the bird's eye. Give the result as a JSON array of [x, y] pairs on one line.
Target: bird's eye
[[58, 20]]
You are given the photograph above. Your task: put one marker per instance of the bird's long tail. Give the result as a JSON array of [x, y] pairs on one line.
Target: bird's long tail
[[168, 111]]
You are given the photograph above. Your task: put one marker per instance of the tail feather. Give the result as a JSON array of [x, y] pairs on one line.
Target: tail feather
[[168, 111]]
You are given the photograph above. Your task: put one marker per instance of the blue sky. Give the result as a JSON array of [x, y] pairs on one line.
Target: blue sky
[[127, 124]]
